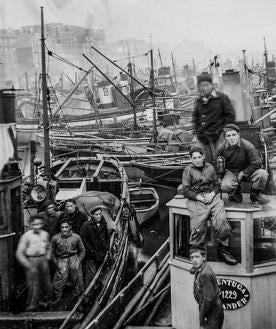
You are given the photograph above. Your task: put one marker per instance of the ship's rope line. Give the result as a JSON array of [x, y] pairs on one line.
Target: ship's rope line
[[68, 128], [157, 177], [64, 60], [128, 58]]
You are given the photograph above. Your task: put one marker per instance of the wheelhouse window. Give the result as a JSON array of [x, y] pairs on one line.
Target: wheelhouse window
[[182, 239], [264, 237]]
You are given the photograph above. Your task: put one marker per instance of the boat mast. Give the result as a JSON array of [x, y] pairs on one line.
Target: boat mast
[[159, 54], [174, 71], [44, 99], [266, 71], [153, 97]]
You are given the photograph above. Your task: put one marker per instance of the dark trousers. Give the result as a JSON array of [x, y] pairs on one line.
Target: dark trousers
[[68, 268], [215, 317], [209, 147], [90, 271], [38, 281]]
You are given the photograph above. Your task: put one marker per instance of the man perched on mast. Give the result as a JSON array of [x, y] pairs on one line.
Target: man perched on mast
[[212, 112]]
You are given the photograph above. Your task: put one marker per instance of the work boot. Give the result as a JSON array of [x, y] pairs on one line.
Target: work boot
[[236, 196], [225, 255], [255, 196]]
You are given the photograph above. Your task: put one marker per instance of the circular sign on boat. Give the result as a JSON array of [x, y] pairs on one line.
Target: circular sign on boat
[[233, 294]]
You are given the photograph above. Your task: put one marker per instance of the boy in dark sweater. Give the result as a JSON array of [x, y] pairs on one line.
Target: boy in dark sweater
[[242, 163]]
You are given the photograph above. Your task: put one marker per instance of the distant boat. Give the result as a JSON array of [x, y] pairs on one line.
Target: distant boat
[[145, 201]]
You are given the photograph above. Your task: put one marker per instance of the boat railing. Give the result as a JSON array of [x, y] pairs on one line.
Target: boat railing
[[119, 309]]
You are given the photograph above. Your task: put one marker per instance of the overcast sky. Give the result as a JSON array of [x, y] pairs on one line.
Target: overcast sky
[[222, 25]]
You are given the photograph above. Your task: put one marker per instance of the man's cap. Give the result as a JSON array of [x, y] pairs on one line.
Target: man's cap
[[196, 149], [71, 200], [93, 210], [231, 126], [195, 248], [204, 77]]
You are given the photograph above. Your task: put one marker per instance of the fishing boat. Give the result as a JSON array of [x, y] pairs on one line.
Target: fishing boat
[[140, 298], [167, 171], [145, 202]]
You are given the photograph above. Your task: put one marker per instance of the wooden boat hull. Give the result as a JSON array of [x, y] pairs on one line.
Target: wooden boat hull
[[133, 297], [168, 175], [145, 201]]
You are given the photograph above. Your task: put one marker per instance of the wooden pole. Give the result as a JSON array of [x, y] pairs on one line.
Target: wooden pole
[[44, 98], [27, 83], [153, 98], [132, 94], [266, 70]]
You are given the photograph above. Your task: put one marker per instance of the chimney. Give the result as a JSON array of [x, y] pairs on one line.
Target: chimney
[[236, 91], [7, 132]]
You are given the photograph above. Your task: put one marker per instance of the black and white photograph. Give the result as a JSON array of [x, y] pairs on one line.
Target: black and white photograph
[[137, 164]]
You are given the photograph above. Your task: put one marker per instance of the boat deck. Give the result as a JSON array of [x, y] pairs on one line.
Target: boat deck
[[53, 316]]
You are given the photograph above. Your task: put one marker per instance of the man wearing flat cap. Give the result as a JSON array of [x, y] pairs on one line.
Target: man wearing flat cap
[[242, 163], [206, 291], [213, 110]]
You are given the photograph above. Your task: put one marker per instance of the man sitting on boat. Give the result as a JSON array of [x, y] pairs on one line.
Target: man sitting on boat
[[33, 252], [95, 236], [67, 253], [201, 187], [242, 163], [76, 216], [212, 112]]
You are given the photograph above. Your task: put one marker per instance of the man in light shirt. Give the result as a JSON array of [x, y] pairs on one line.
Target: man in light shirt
[[33, 252]]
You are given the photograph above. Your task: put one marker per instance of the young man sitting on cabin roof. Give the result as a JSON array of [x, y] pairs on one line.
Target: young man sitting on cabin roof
[[242, 163], [201, 187]]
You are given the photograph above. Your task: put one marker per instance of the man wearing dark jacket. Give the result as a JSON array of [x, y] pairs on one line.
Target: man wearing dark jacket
[[95, 236], [213, 110], [206, 291], [242, 163], [76, 217], [201, 187]]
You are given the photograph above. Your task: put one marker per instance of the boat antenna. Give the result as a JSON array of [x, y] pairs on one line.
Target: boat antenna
[[107, 78], [266, 70], [44, 99]]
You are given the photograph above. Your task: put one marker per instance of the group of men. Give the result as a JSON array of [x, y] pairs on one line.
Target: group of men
[[217, 138], [55, 246]]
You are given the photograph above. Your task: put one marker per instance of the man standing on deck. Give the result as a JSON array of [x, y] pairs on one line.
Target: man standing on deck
[[67, 253], [213, 110], [50, 217], [95, 236], [33, 252], [242, 163], [201, 187], [76, 217], [206, 291]]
